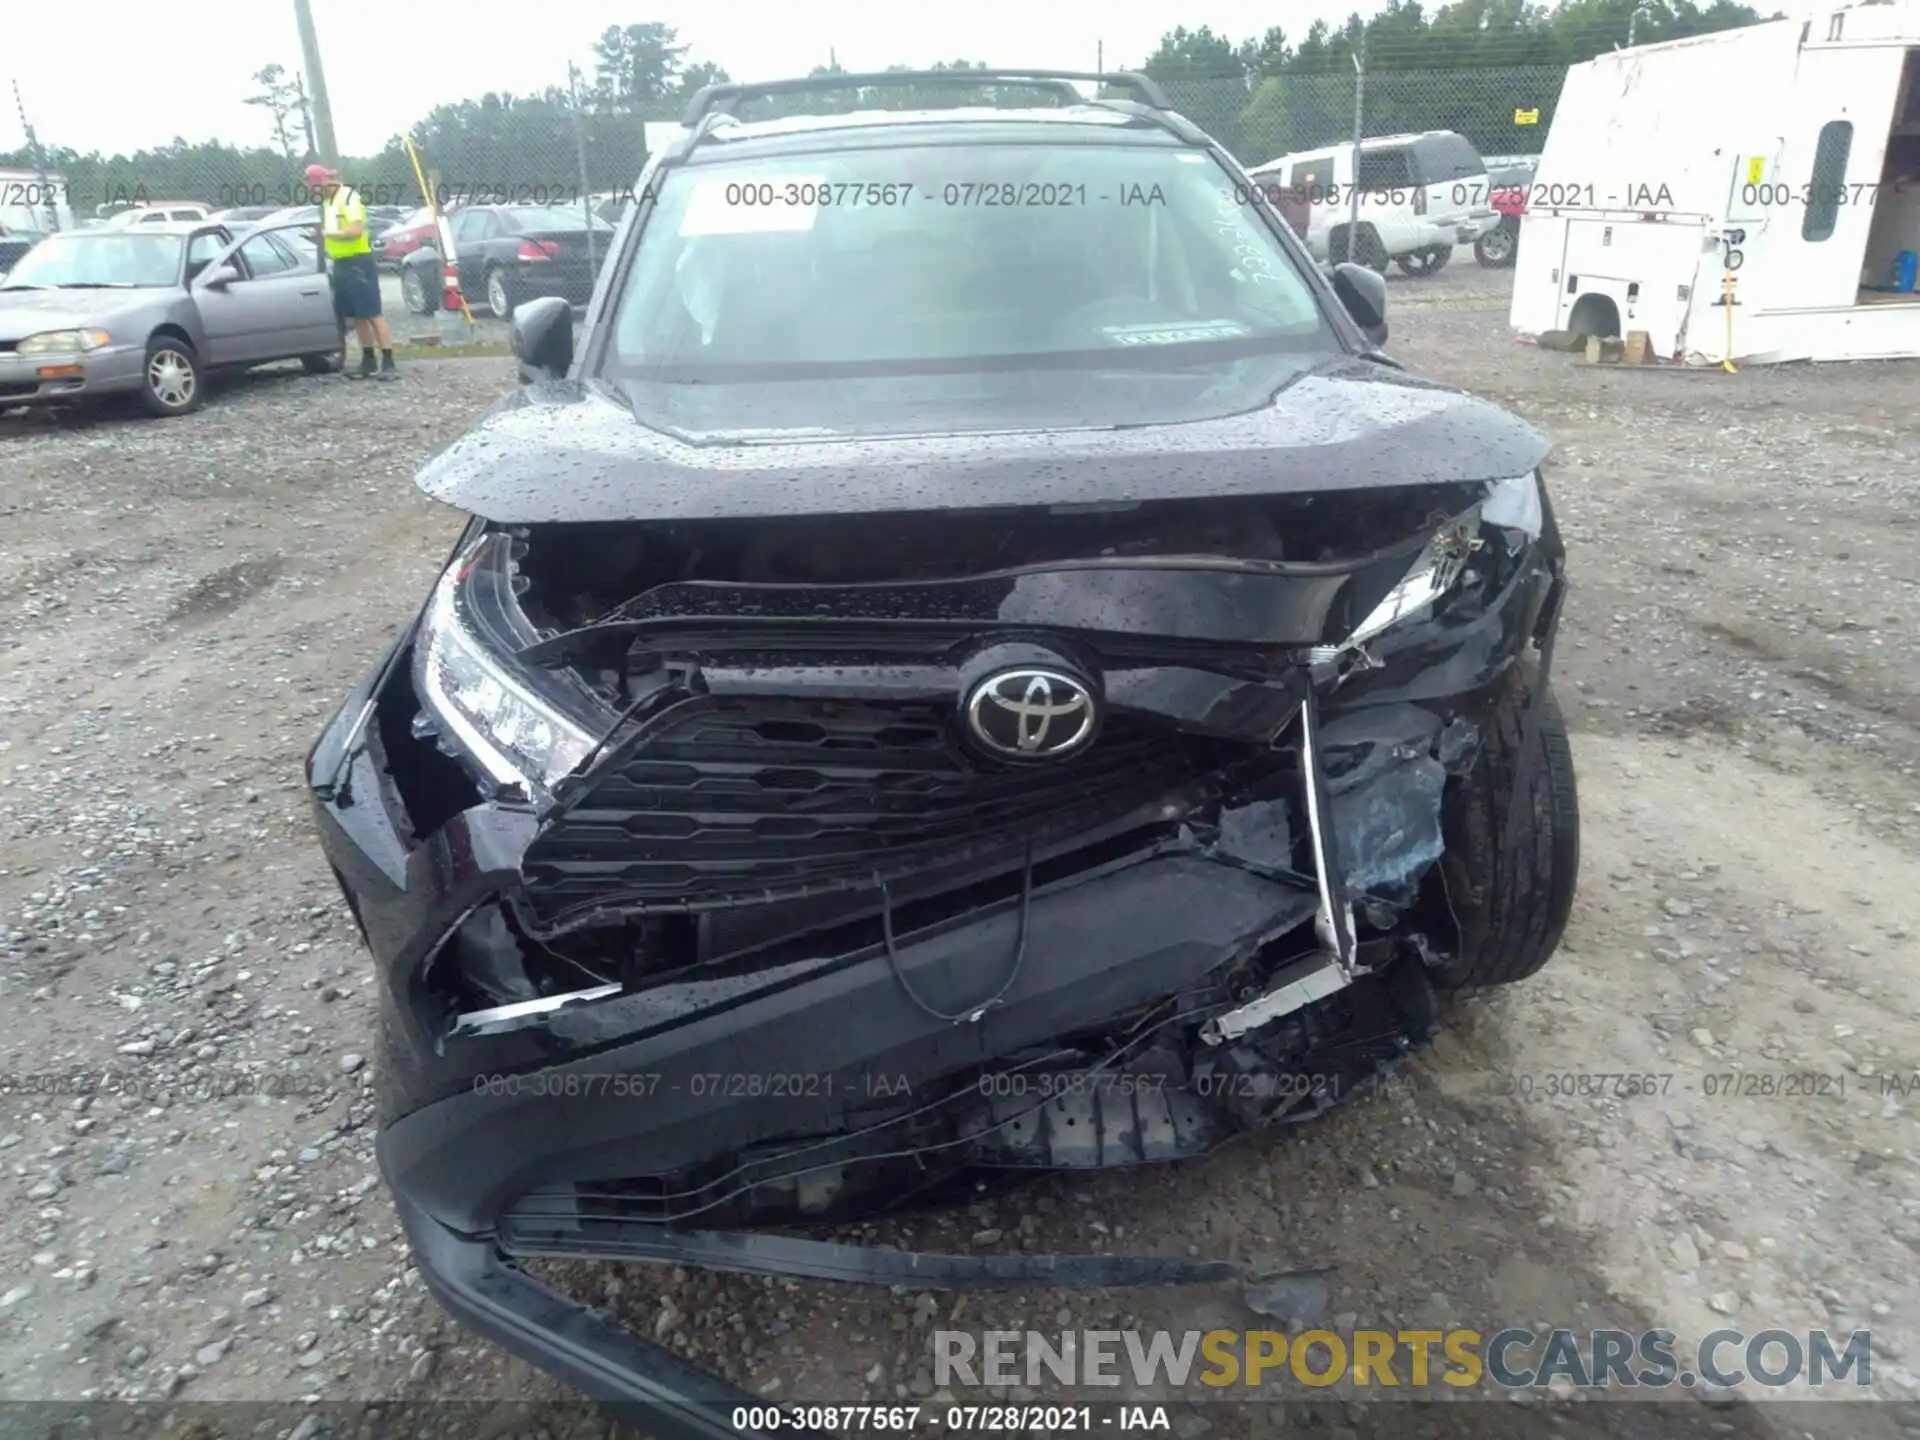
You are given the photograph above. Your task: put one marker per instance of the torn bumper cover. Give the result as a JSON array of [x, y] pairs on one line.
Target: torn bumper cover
[[672, 1398], [790, 944]]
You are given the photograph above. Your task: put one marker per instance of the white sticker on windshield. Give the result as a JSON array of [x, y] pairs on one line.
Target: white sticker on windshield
[[753, 207], [1174, 334]]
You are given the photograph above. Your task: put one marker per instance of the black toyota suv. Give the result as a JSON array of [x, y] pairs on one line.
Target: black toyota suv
[[973, 662]]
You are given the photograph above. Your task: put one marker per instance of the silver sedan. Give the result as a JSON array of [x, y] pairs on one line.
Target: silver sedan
[[89, 314]]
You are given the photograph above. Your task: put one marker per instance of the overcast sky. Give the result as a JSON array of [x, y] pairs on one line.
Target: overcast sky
[[117, 75]]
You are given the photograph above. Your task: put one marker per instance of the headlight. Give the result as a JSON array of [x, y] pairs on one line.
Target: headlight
[[1515, 505], [524, 728], [1511, 505], [63, 342], [1432, 575]]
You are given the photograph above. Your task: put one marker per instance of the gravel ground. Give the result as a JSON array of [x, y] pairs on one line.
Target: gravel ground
[[185, 600]]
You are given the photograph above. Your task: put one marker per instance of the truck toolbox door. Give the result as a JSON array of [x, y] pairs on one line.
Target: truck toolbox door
[[1754, 184]]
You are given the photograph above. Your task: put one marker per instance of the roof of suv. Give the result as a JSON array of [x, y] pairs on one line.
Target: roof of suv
[[729, 139], [729, 129], [712, 127]]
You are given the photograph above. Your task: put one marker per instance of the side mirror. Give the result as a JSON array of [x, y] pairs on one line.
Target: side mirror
[[541, 333], [220, 277], [1363, 293]]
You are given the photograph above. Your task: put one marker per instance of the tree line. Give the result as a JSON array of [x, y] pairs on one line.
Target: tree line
[[1466, 66]]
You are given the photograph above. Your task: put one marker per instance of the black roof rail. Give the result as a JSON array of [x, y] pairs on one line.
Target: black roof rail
[[724, 97]]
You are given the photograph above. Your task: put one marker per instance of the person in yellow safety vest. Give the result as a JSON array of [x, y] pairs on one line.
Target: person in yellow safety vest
[[356, 279]]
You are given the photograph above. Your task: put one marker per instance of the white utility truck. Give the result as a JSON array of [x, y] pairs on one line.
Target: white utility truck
[[1778, 163]]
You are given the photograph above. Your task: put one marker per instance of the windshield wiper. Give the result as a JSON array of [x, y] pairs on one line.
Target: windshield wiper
[[95, 285]]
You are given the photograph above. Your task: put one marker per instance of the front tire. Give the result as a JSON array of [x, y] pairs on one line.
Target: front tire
[[170, 381], [1511, 891]]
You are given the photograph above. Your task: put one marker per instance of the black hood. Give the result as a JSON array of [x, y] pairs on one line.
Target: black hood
[[572, 451]]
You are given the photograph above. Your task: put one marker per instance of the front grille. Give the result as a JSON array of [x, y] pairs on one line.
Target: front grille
[[763, 800]]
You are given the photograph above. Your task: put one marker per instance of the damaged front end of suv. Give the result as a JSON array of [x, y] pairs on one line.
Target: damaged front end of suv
[[793, 828]]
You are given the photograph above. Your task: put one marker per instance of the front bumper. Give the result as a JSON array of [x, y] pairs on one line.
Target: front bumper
[[67, 379], [472, 1173], [665, 1396], [836, 1031]]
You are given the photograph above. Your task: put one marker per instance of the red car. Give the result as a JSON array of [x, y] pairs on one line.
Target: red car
[[405, 238], [1507, 192]]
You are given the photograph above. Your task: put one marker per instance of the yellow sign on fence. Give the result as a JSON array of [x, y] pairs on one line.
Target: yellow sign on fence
[[1527, 117]]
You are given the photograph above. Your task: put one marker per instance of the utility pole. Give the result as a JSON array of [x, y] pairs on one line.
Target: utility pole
[[39, 162], [1099, 57], [316, 78], [580, 146], [1359, 128]]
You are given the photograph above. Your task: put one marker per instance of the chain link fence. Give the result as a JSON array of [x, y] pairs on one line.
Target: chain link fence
[[1503, 112], [550, 150]]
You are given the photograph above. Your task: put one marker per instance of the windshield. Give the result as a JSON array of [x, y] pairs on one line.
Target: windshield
[[932, 259], [121, 258]]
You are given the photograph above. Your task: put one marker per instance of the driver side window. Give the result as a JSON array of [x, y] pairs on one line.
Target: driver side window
[[263, 257]]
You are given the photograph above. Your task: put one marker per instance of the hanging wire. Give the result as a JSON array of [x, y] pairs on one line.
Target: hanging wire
[[971, 1013]]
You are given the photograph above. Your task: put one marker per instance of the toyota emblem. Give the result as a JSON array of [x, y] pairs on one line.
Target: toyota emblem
[[1031, 714]]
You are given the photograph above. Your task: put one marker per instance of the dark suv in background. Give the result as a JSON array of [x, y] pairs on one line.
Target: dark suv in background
[[976, 604]]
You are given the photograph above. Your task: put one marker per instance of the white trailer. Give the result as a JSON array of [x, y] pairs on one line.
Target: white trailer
[[1778, 163]]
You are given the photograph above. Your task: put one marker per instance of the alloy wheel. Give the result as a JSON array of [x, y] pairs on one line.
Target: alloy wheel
[[171, 379]]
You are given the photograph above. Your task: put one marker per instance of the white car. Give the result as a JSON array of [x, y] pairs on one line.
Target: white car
[[1420, 195], [162, 214]]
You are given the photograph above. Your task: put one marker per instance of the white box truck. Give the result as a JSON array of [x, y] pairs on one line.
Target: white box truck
[[1779, 163]]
